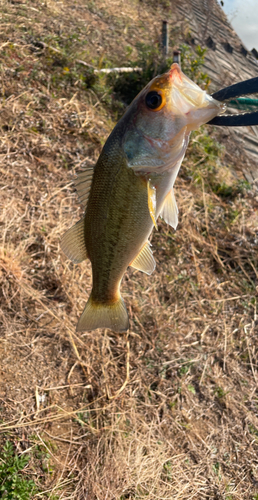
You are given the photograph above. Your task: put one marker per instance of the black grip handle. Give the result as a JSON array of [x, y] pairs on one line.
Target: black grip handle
[[236, 90], [242, 120]]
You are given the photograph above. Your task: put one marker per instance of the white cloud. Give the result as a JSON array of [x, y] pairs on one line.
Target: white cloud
[[243, 15]]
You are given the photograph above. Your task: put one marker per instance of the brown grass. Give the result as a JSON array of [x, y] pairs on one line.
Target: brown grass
[[169, 411]]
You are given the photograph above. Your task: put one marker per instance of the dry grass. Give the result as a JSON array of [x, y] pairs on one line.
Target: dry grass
[[169, 411]]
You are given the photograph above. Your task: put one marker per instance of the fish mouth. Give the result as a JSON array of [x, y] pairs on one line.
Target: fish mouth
[[190, 101]]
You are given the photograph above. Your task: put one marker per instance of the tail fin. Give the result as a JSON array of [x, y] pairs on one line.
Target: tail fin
[[96, 315]]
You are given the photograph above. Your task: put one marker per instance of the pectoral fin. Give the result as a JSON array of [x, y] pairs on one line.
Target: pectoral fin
[[152, 202], [73, 243], [144, 261], [169, 210]]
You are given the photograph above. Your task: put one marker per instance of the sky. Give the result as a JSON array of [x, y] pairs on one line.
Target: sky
[[243, 16]]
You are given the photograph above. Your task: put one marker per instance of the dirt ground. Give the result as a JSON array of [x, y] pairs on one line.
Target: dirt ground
[[169, 410]]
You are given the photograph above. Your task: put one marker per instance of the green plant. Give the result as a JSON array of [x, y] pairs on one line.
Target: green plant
[[82, 418], [185, 368], [167, 467], [226, 191], [152, 63], [191, 388], [216, 469], [14, 482], [192, 63], [253, 430], [219, 392], [204, 164]]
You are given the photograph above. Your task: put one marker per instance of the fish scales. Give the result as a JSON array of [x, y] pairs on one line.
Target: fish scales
[[112, 220], [130, 187]]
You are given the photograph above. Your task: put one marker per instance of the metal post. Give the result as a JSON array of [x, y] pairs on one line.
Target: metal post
[[177, 57], [164, 38]]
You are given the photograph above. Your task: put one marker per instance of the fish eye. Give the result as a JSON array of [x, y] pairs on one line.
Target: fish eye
[[154, 100]]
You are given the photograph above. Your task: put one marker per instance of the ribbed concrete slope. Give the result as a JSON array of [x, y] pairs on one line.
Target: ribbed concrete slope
[[227, 60]]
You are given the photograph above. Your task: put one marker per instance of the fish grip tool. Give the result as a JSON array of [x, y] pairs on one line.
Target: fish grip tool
[[233, 91]]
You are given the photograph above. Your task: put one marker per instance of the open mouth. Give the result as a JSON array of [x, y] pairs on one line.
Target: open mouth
[[186, 96]]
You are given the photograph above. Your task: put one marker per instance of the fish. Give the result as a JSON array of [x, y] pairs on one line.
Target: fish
[[130, 186]]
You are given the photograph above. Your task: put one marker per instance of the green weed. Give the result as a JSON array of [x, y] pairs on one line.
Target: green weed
[[184, 369], [151, 60], [192, 63], [226, 191], [216, 468], [253, 430], [82, 418], [167, 467], [191, 388], [219, 392], [14, 482]]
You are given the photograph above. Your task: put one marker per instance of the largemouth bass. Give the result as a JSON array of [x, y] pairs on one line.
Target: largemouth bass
[[130, 187]]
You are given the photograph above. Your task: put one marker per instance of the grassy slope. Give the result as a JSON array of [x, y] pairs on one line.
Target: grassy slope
[[171, 409]]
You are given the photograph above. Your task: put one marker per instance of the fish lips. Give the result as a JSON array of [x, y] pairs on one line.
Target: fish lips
[[197, 117], [187, 99]]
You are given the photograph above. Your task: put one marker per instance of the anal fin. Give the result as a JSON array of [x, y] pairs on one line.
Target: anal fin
[[169, 210], [144, 261], [73, 243]]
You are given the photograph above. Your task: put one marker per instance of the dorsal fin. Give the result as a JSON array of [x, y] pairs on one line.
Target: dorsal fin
[[73, 243], [83, 184], [169, 210], [144, 261]]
